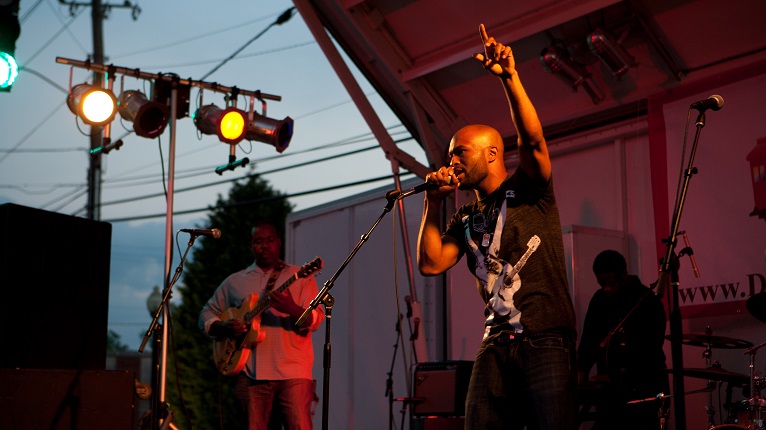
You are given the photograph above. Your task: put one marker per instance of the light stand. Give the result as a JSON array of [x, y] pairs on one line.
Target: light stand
[[175, 83]]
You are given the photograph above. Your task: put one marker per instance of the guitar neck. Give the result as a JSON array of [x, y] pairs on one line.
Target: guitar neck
[[263, 303]]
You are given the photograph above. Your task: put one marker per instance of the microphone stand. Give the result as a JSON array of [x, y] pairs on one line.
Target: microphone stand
[[159, 331], [390, 379], [327, 300], [674, 314]]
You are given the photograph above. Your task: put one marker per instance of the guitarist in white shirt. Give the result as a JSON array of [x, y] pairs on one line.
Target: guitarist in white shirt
[[274, 356]]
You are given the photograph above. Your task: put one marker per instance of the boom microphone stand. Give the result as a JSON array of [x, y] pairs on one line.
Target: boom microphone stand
[[327, 300], [669, 274]]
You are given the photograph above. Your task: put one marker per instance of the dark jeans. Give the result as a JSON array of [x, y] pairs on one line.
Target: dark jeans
[[271, 404], [524, 381]]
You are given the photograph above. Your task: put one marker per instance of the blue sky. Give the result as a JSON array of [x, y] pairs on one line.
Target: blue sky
[[43, 163]]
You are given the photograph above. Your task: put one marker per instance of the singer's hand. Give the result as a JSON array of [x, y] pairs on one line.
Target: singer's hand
[[445, 178], [497, 58]]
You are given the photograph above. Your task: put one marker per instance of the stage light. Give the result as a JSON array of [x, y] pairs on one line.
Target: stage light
[[9, 33], [9, 70], [228, 124], [556, 60], [96, 106], [149, 118], [610, 52], [272, 131]]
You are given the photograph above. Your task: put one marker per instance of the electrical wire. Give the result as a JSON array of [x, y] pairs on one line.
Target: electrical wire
[[281, 19], [241, 57], [31, 132], [61, 20], [53, 38], [228, 28], [225, 181], [118, 181], [29, 12], [261, 200]]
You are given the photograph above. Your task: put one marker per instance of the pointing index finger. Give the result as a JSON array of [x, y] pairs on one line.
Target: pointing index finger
[[483, 33]]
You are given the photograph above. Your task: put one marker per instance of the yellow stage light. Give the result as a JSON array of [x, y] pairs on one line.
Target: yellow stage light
[[228, 124]]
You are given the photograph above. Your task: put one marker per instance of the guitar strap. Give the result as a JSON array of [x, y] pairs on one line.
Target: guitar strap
[[274, 275]]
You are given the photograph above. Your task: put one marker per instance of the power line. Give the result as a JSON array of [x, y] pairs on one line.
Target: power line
[[31, 132], [29, 12], [186, 40], [253, 54], [261, 200], [212, 184], [198, 171], [61, 20], [281, 19], [54, 37]]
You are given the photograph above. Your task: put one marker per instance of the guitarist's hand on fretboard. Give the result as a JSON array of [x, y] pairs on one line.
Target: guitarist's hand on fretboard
[[232, 329], [283, 302]]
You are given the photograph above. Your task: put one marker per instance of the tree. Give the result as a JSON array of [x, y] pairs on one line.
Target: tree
[[193, 371], [114, 343]]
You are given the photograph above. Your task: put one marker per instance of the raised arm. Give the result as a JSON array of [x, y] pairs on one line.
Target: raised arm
[[533, 152]]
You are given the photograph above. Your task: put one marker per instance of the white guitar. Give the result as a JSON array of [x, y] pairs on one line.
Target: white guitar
[[511, 273]]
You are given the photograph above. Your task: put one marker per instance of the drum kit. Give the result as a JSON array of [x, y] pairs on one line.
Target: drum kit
[[748, 414]]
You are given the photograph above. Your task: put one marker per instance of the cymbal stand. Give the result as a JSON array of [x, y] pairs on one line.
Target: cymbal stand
[[755, 402], [707, 354]]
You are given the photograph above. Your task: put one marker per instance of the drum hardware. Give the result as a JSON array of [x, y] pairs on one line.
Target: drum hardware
[[713, 372], [663, 411], [710, 341]]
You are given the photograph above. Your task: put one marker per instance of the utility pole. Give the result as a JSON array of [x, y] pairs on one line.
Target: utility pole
[[97, 132]]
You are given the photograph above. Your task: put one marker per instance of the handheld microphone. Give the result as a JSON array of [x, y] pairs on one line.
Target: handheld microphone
[[210, 232], [714, 102], [427, 185]]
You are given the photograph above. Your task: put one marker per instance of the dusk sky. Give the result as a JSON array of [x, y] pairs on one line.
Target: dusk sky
[[43, 159]]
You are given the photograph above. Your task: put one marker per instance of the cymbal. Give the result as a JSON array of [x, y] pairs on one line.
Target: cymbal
[[712, 341], [714, 374], [756, 305]]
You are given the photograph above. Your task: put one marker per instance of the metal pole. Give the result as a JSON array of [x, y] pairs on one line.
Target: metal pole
[[168, 238], [96, 137]]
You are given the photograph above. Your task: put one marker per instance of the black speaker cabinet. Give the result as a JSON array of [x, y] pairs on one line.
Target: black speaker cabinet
[[54, 277], [32, 399], [442, 385]]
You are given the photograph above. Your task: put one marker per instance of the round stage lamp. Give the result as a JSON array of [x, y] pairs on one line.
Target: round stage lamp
[[228, 124], [149, 118], [96, 106], [272, 131]]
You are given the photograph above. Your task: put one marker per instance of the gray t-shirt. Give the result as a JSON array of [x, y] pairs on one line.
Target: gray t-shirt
[[521, 275]]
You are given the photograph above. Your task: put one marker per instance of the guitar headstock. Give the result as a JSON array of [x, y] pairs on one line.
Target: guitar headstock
[[310, 267], [533, 243]]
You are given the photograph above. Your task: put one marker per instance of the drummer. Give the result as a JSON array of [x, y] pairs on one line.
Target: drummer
[[632, 361]]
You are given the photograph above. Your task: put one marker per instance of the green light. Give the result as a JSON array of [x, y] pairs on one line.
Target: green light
[[9, 70]]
